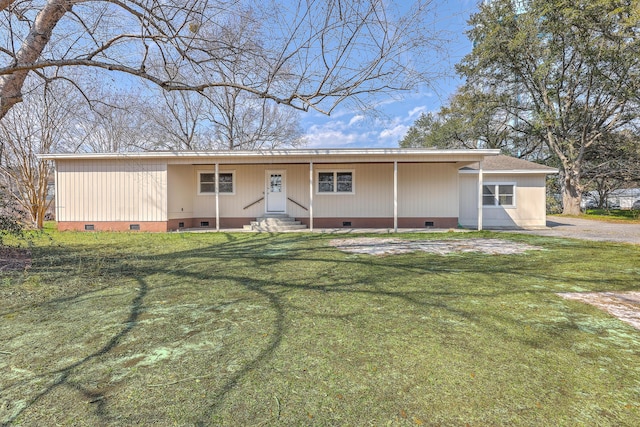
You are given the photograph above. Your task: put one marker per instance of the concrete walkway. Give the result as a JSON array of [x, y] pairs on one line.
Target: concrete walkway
[[587, 229]]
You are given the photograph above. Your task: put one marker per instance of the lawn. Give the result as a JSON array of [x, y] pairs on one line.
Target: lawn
[[261, 330], [613, 215]]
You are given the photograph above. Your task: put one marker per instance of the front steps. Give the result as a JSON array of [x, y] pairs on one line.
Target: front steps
[[275, 223]]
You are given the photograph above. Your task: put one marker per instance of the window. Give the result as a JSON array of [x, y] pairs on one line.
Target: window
[[225, 182], [335, 182], [207, 182], [498, 195]]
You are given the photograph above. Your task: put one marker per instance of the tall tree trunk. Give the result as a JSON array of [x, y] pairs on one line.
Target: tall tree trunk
[[571, 190], [30, 51]]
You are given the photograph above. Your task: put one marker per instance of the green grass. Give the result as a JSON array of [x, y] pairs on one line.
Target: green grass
[[254, 329], [615, 215]]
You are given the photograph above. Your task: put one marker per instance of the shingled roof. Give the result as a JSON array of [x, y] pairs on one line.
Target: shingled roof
[[509, 164]]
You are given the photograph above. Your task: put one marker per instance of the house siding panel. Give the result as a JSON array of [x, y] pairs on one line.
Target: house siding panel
[[529, 211], [427, 189], [372, 197], [111, 191], [249, 188], [181, 188]]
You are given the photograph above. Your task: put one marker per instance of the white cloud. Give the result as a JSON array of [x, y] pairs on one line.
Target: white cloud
[[359, 130], [336, 134], [395, 133], [416, 111], [356, 119]]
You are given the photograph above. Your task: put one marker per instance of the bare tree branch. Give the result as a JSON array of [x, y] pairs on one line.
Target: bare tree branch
[[312, 55], [4, 4], [38, 38]]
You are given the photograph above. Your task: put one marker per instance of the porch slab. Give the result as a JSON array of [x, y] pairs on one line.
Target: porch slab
[[331, 230]]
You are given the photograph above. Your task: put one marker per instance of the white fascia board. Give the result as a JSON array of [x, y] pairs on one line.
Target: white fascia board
[[371, 153], [512, 172]]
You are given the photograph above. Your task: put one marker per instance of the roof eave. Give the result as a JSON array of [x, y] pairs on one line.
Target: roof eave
[[512, 172], [334, 152]]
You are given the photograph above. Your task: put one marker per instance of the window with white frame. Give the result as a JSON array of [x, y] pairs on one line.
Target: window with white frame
[[207, 182], [499, 194], [335, 182]]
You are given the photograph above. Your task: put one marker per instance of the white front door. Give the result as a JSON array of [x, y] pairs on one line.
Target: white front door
[[276, 191]]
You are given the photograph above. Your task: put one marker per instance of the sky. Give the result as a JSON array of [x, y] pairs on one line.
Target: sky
[[347, 128]]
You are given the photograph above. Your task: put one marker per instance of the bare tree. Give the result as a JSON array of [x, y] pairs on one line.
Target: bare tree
[[227, 117], [315, 53], [243, 120], [114, 122], [246, 122], [180, 122], [34, 127]]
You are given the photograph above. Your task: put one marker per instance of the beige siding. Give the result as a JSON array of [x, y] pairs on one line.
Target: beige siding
[[427, 190], [180, 186], [112, 190], [529, 211], [249, 187], [372, 197], [468, 216]]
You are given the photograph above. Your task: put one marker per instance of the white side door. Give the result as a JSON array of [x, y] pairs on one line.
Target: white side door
[[276, 191]]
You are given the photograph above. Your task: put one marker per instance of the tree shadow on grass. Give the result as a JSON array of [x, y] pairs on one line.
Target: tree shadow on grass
[[265, 254], [63, 375]]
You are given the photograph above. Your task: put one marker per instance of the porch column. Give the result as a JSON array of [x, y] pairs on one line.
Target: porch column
[[480, 201], [56, 188], [395, 196], [311, 196], [217, 178]]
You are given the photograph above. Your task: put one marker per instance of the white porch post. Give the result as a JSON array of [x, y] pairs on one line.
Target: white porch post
[[480, 202], [395, 196], [57, 198], [217, 178], [311, 196]]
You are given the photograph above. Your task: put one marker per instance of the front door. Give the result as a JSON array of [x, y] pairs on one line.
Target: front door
[[276, 191]]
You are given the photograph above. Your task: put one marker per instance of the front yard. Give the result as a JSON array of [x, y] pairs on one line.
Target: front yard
[[260, 330]]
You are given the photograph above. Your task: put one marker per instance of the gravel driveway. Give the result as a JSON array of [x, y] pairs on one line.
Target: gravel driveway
[[578, 228]]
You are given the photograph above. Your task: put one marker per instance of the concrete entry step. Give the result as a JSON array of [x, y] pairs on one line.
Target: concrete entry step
[[275, 223]]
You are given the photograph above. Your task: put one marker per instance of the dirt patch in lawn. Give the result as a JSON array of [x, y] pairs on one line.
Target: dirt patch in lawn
[[623, 305], [14, 259], [390, 246]]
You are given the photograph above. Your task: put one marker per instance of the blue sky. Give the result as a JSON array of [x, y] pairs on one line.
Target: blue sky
[[347, 128]]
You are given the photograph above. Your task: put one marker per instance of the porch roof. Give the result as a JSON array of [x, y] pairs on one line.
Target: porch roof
[[502, 164], [290, 156]]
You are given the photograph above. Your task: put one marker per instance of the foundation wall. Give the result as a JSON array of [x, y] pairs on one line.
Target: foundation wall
[[149, 226]]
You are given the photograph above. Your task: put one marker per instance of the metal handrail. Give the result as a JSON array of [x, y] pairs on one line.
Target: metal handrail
[[253, 203], [296, 203]]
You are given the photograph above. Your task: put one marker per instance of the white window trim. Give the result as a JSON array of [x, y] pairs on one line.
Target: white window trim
[[335, 191], [212, 193], [497, 205]]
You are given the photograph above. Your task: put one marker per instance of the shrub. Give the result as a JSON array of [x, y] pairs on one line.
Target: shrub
[[10, 220]]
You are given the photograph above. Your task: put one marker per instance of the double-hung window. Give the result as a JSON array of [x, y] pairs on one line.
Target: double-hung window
[[335, 182], [499, 194], [207, 182]]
